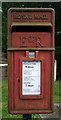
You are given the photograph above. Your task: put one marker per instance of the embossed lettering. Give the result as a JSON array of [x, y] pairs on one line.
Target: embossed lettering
[[30, 17], [34, 41]]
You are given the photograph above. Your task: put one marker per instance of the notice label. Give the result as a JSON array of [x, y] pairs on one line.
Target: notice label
[[31, 78]]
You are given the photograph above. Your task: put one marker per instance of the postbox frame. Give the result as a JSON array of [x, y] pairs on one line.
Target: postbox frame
[[42, 79]]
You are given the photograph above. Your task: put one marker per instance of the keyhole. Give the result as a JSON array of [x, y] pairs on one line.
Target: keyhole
[[18, 80]]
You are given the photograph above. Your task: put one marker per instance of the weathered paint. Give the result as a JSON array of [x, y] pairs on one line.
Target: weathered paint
[[30, 29]]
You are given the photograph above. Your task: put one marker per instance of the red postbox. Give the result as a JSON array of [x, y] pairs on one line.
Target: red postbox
[[31, 60]]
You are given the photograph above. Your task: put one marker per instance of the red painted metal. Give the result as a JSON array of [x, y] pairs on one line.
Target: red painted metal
[[33, 17], [36, 39], [30, 29]]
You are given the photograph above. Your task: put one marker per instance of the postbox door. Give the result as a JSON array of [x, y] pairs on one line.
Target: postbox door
[[31, 102]]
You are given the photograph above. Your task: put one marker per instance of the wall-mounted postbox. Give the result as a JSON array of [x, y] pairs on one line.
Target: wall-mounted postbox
[[30, 60]]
